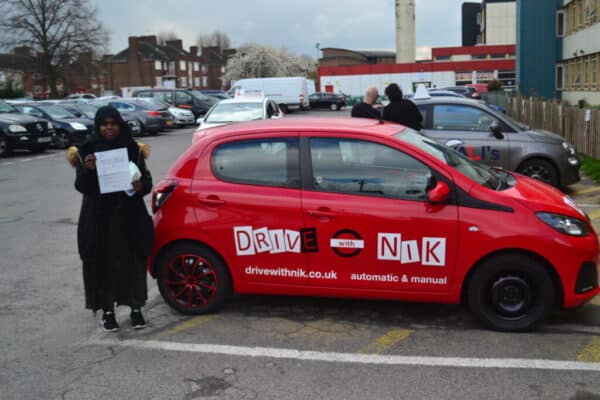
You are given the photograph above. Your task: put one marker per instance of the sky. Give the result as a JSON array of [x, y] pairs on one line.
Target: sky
[[297, 25]]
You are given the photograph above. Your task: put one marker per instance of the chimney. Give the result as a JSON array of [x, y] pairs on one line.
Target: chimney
[[22, 51], [149, 39], [405, 31], [194, 50], [178, 43]]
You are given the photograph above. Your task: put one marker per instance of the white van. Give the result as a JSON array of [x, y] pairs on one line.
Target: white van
[[288, 93]]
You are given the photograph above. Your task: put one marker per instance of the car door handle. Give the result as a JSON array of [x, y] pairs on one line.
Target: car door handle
[[322, 213], [212, 200]]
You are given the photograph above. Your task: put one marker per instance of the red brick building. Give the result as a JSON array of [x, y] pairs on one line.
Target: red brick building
[[146, 63]]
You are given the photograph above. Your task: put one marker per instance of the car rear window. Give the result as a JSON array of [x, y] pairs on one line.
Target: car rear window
[[264, 162]]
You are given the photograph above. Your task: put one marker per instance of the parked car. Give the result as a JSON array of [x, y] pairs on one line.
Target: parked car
[[495, 139], [19, 131], [331, 101], [355, 208], [466, 91], [218, 94], [288, 93], [181, 116], [194, 101], [238, 110], [449, 93], [83, 96], [88, 110], [69, 128], [152, 117]]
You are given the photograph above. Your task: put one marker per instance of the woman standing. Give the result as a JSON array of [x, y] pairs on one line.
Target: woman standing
[[115, 232]]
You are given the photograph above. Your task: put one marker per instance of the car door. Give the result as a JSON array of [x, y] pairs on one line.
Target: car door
[[250, 205], [467, 128], [367, 204]]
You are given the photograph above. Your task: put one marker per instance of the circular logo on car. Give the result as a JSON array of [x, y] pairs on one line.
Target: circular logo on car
[[347, 243], [39, 127]]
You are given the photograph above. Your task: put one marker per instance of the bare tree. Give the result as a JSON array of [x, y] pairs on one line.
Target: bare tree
[[216, 38], [164, 36], [55, 30]]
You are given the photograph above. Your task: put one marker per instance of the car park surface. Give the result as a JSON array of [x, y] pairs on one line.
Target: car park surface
[[317, 238]]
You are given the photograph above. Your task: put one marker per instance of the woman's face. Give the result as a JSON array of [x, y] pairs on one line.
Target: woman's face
[[109, 129]]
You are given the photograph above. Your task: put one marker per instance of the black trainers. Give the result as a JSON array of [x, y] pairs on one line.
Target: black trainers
[[109, 322], [137, 319]]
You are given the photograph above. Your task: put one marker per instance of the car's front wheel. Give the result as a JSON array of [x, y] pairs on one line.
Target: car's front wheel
[[192, 279], [334, 107], [511, 293], [540, 169], [61, 140], [5, 149]]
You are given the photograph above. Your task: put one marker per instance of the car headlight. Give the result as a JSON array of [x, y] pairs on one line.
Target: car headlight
[[17, 128], [77, 126], [567, 225], [569, 148], [50, 126]]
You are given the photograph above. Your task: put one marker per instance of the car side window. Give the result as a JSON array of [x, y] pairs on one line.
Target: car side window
[[313, 97], [183, 98], [366, 168], [32, 111], [166, 97], [264, 162], [458, 117]]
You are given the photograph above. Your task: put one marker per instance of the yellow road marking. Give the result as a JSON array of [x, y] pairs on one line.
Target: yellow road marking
[[385, 342], [591, 352], [595, 301], [190, 323], [586, 191], [594, 214]]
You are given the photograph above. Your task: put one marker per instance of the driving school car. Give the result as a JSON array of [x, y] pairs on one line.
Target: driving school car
[[495, 139], [357, 208]]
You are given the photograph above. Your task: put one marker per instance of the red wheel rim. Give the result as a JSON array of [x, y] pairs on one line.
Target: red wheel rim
[[190, 281]]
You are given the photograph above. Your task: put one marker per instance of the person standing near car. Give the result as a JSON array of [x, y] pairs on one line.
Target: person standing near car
[[115, 231], [401, 111], [366, 108]]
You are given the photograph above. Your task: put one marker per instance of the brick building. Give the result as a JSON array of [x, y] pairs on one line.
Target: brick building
[[145, 63], [20, 66]]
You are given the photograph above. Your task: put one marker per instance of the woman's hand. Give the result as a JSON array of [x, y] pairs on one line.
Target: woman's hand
[[137, 186], [90, 162]]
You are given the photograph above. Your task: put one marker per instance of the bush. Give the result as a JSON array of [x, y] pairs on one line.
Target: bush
[[9, 91]]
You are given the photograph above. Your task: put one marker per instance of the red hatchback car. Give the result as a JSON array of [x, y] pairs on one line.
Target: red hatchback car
[[355, 208]]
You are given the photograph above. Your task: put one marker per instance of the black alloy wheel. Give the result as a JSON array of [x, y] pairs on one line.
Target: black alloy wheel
[[541, 170]]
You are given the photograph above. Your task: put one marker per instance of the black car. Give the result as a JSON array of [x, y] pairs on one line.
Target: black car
[[192, 100], [19, 131], [88, 110], [331, 101], [69, 128], [153, 117]]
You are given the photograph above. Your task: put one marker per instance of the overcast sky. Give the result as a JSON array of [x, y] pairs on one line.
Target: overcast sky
[[297, 25]]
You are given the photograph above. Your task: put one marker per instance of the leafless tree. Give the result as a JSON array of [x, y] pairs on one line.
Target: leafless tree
[[216, 38], [56, 31], [164, 36]]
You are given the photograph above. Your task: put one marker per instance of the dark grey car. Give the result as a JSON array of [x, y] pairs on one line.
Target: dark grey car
[[495, 139]]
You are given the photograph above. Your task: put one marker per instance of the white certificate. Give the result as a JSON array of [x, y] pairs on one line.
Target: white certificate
[[113, 171]]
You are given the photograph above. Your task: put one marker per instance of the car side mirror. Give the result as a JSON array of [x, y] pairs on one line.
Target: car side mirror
[[454, 143], [497, 131], [439, 193]]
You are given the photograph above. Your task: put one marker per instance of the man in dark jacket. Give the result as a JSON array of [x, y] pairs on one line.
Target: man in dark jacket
[[401, 111], [365, 108]]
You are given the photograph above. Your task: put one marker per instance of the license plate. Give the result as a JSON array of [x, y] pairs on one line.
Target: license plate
[[170, 122], [44, 140]]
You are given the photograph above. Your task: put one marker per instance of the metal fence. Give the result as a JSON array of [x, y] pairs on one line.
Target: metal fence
[[580, 127]]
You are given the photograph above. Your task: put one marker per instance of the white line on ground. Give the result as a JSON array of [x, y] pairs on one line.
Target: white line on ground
[[267, 352]]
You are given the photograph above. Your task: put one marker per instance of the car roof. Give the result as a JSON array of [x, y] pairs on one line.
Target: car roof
[[311, 124], [244, 100], [446, 100]]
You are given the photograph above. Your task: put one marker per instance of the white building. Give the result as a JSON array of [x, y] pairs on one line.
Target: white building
[[498, 22]]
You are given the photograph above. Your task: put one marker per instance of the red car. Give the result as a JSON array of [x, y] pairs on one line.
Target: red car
[[355, 208]]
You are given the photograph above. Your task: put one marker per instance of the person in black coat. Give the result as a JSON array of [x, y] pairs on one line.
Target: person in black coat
[[366, 108], [115, 231], [400, 110]]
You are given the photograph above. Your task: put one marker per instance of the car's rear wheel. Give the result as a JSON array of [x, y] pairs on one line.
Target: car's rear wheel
[[511, 293], [5, 149], [540, 169], [284, 108], [193, 279], [61, 140], [334, 107]]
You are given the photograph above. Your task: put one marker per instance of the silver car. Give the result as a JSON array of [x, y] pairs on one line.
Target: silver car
[[495, 139]]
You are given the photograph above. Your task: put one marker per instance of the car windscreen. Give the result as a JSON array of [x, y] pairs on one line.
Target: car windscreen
[[452, 158], [6, 108], [201, 96], [235, 112], [88, 109], [57, 112]]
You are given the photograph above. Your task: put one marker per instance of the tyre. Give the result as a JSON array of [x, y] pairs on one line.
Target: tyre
[[511, 293], [283, 108], [192, 279], [540, 169], [5, 148], [61, 140], [334, 107]]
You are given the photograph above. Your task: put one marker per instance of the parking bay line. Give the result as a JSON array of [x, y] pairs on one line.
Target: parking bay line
[[591, 352], [352, 358], [190, 323], [594, 214], [387, 341], [585, 191]]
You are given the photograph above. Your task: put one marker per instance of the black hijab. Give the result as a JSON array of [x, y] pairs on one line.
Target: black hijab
[[101, 144]]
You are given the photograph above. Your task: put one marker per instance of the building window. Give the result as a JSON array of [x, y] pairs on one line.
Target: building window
[[594, 72], [204, 81], [182, 65], [157, 65], [184, 81], [197, 81], [204, 69], [592, 11], [196, 66], [559, 77], [560, 24], [586, 76]]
